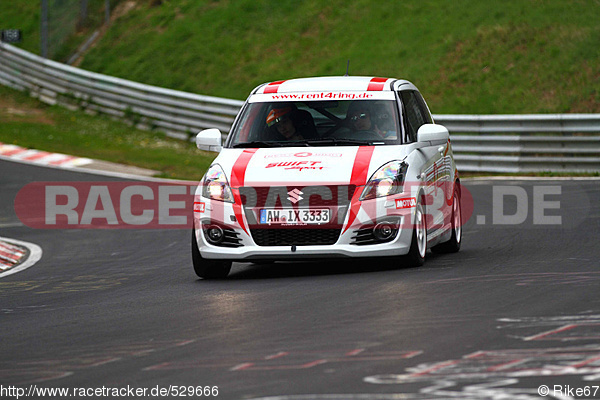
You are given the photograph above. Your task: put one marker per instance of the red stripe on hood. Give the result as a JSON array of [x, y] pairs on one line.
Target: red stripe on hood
[[359, 177], [238, 175]]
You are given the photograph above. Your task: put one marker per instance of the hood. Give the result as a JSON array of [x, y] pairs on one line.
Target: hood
[[336, 165]]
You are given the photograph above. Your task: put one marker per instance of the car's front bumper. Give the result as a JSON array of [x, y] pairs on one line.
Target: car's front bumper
[[246, 248]]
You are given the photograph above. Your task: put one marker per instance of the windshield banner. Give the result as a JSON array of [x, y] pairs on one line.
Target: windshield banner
[[321, 96]]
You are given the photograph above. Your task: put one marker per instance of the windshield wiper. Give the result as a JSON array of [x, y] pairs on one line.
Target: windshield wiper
[[336, 142], [259, 143]]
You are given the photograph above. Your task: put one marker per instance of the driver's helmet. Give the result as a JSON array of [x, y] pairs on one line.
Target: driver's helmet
[[359, 110], [279, 114]]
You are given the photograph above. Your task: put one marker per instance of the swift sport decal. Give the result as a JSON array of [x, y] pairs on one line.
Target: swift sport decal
[[359, 179], [297, 165]]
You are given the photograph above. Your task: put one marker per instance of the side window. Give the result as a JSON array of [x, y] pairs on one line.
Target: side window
[[415, 112], [424, 108]]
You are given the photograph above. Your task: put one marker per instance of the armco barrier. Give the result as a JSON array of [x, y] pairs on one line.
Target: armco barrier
[[177, 113], [486, 143]]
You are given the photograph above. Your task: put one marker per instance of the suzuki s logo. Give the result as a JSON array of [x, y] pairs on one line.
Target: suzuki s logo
[[295, 196]]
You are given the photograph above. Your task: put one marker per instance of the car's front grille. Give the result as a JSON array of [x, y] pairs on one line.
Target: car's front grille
[[364, 236], [336, 198], [291, 237], [310, 196]]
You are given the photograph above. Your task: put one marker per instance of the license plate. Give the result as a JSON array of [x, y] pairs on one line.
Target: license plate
[[295, 217]]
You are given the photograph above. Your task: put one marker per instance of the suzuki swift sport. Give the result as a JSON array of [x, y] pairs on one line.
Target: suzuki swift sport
[[316, 168]]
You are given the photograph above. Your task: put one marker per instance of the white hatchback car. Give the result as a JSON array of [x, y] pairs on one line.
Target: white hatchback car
[[326, 167]]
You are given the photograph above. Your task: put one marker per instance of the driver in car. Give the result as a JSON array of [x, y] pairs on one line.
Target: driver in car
[[287, 123], [360, 117]]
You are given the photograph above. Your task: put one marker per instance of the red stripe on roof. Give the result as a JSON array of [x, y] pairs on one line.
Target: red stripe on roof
[[376, 84], [273, 87]]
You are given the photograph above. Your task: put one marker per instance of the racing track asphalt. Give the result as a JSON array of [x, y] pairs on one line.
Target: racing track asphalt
[[123, 308]]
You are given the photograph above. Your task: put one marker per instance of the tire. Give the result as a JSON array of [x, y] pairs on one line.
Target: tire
[[205, 268], [453, 245], [418, 244]]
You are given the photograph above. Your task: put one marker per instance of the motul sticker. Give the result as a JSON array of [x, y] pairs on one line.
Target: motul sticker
[[199, 207], [406, 203]]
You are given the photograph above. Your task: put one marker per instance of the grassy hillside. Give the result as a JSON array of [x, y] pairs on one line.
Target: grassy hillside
[[467, 56], [66, 31]]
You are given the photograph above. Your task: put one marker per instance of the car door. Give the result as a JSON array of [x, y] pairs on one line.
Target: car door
[[434, 169]]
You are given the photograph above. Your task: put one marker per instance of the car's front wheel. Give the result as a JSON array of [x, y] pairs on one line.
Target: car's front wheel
[[418, 245], [205, 268], [453, 245]]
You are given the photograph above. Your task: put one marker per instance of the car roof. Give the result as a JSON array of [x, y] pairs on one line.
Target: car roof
[[334, 83]]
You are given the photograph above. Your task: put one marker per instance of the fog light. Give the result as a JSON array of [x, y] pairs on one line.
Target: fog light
[[214, 234], [384, 231]]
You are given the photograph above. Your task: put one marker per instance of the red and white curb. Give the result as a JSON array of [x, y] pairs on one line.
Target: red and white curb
[[10, 255], [16, 256], [18, 153]]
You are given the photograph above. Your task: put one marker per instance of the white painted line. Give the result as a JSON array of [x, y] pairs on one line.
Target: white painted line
[[413, 354], [313, 364], [185, 342], [241, 367], [35, 254], [354, 352], [274, 356], [552, 332]]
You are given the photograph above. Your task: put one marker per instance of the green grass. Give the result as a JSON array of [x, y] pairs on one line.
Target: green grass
[[467, 56], [31, 124]]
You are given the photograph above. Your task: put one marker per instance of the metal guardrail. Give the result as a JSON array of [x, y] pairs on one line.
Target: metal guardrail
[[481, 143], [537, 143], [177, 113]]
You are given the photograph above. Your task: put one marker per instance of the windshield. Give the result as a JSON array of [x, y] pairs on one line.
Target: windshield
[[317, 123]]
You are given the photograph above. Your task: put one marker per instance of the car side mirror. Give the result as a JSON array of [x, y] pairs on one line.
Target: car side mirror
[[433, 134], [209, 140]]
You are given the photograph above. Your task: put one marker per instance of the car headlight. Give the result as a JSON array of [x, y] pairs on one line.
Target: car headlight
[[386, 181], [215, 185]]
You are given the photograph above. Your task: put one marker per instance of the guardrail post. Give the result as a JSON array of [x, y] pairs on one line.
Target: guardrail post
[[44, 29]]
